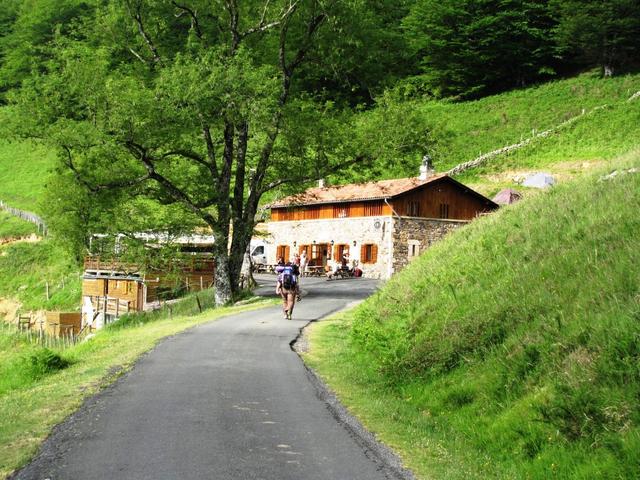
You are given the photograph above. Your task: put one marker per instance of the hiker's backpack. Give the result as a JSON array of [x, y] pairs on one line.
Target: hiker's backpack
[[288, 278]]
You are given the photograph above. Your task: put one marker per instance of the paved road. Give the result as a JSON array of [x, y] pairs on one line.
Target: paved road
[[226, 400]]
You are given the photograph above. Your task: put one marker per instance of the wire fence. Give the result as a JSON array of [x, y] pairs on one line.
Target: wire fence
[[35, 333], [27, 216]]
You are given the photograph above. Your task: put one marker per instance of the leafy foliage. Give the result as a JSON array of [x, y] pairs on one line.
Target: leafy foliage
[[599, 33], [471, 48]]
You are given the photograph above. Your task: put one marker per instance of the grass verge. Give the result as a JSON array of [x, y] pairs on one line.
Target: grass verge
[[512, 348], [34, 396]]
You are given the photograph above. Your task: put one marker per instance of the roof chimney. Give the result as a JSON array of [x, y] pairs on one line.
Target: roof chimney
[[426, 169], [321, 183]]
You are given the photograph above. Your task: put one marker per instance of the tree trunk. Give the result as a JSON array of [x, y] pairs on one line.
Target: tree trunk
[[247, 270], [221, 279], [240, 242]]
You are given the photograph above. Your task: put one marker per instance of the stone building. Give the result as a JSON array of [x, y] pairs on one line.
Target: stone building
[[381, 225]]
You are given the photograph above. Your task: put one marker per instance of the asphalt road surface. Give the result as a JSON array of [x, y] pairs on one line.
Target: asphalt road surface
[[226, 400]]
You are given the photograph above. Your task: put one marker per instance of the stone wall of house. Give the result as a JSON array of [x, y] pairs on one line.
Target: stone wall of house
[[418, 234], [362, 230]]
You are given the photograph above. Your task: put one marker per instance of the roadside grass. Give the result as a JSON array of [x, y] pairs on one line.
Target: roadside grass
[[32, 403], [511, 349], [27, 268], [12, 227]]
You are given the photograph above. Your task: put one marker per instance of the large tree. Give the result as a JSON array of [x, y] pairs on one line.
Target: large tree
[[192, 102]]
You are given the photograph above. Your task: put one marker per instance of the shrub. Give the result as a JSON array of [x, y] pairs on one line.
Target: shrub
[[44, 362]]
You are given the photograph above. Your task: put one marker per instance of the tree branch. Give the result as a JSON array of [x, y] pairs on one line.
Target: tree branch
[[232, 8], [282, 181], [175, 192], [238, 191], [263, 26], [99, 187], [211, 149], [195, 25], [137, 17]]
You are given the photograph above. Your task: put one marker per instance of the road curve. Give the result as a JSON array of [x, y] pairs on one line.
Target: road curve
[[225, 400]]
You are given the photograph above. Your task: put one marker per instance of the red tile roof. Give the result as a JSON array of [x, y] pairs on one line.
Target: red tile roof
[[355, 192]]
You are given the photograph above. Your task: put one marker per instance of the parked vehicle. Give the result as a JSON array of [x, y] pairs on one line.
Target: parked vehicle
[[258, 251]]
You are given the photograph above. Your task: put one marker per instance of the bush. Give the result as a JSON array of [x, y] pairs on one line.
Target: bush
[[44, 362]]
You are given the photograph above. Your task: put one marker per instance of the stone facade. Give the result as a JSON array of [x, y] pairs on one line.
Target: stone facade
[[361, 230], [413, 235], [398, 239]]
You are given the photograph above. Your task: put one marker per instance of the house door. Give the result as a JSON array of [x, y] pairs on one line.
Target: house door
[[283, 251], [339, 251], [319, 254]]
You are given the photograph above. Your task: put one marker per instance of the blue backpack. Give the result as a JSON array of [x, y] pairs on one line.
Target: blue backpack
[[288, 277]]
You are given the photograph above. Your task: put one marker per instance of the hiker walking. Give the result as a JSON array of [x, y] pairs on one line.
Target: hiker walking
[[287, 287]]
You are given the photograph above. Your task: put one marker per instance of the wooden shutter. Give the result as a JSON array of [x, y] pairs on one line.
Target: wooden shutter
[[363, 253], [374, 253], [287, 254], [336, 253]]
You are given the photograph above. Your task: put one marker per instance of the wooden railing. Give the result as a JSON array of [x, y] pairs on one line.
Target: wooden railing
[[95, 262], [193, 264]]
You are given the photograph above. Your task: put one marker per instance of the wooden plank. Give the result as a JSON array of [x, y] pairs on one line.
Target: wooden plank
[[93, 287]]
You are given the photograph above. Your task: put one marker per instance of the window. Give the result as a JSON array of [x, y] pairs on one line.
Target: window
[[414, 249], [444, 210], [316, 255], [413, 208], [369, 253], [258, 250]]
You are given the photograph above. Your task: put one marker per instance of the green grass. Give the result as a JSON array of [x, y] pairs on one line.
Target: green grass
[[27, 268], [24, 169], [510, 349], [12, 227], [460, 132], [35, 395], [464, 130]]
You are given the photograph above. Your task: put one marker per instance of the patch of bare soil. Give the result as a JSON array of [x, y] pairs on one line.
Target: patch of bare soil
[[8, 309], [561, 171], [33, 238]]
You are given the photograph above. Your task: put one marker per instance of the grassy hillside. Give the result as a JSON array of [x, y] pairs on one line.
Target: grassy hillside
[[27, 268], [24, 169], [12, 227], [510, 349], [460, 132]]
